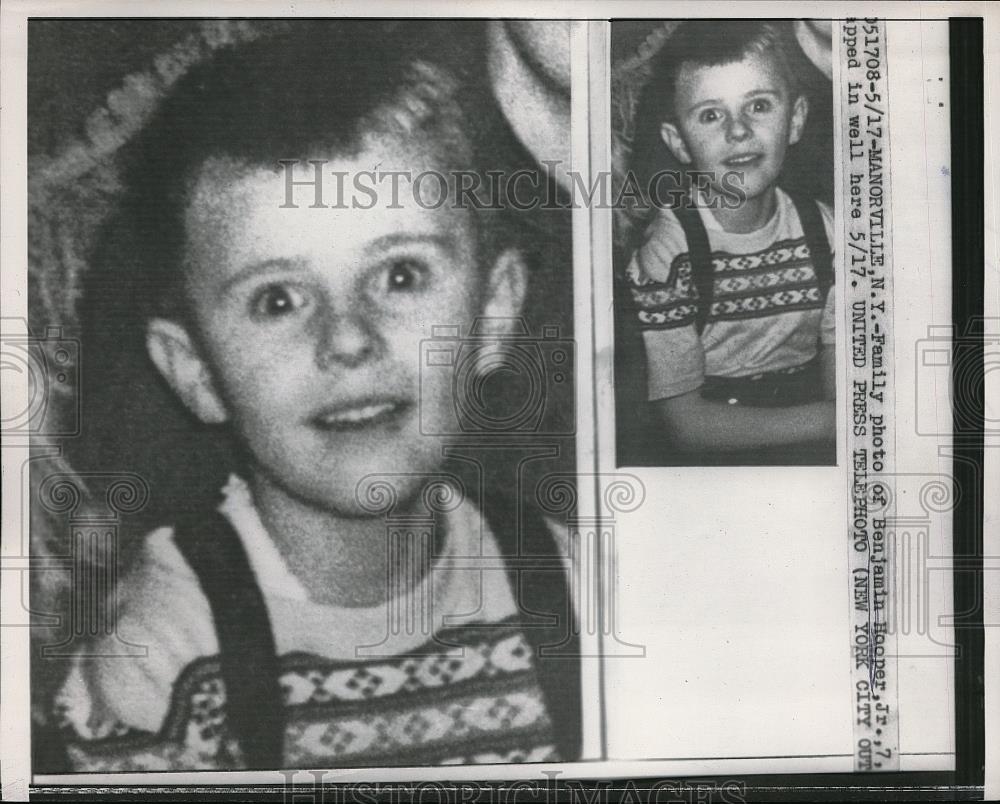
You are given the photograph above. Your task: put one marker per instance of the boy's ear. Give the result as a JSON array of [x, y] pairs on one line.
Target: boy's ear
[[672, 138], [800, 111], [175, 356], [506, 286]]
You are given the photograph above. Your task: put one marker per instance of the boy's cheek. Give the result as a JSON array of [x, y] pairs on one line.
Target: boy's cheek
[[436, 402]]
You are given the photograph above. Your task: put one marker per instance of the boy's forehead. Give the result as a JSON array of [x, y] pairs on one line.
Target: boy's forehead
[[698, 81], [381, 171], [374, 161], [241, 211]]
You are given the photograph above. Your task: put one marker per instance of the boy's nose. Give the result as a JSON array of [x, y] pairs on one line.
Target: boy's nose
[[345, 340], [738, 129]]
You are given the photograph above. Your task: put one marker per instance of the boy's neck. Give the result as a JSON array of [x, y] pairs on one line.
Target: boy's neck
[[339, 560], [752, 213]]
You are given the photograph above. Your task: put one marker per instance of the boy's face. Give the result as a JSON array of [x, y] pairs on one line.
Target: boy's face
[[737, 117], [310, 321]]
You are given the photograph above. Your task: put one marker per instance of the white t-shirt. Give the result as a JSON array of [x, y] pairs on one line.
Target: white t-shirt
[[767, 312]]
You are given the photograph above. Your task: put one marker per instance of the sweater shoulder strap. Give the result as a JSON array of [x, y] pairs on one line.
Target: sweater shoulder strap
[[254, 706], [811, 218], [700, 254], [543, 592]]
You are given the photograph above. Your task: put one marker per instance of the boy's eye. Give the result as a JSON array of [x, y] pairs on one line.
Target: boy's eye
[[761, 105], [273, 301], [709, 116], [405, 275]]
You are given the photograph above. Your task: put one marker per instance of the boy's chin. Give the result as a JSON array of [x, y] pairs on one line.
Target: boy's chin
[[377, 488], [752, 188], [377, 496]]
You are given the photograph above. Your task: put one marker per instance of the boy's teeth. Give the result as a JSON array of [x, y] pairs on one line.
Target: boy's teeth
[[360, 414]]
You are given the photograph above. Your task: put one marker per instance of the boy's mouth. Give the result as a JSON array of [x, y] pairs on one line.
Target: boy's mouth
[[360, 415], [742, 160]]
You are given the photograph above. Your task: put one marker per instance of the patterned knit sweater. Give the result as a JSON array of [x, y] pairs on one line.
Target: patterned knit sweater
[[767, 312]]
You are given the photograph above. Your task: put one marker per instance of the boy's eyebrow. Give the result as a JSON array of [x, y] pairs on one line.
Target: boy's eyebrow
[[384, 243], [389, 241], [252, 269], [750, 94], [706, 102]]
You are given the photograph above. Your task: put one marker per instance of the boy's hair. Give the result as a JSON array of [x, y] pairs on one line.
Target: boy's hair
[[711, 43], [313, 90]]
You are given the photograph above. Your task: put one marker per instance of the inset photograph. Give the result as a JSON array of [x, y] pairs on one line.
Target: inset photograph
[[725, 311]]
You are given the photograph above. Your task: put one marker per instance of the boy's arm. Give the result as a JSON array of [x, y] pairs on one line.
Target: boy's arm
[[164, 616], [828, 367], [697, 423]]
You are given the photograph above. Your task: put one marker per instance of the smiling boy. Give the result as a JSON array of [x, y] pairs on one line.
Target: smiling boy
[[734, 300], [292, 627]]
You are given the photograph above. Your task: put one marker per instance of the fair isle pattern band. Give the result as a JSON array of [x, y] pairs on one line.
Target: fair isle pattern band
[[777, 280], [478, 703]]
